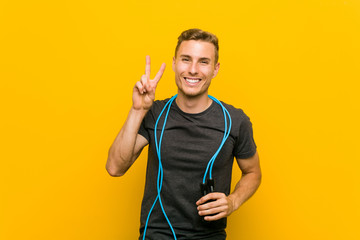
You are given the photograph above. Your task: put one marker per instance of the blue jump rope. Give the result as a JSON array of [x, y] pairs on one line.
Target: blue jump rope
[[207, 185]]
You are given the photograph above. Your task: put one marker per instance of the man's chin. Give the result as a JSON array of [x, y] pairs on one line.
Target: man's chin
[[192, 94]]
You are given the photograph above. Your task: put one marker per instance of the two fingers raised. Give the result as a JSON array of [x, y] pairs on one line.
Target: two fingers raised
[[147, 83]]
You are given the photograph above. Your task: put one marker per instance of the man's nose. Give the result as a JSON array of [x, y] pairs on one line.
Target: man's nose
[[193, 69]]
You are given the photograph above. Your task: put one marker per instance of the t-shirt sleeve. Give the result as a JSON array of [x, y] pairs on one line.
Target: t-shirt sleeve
[[245, 144], [143, 131], [148, 123]]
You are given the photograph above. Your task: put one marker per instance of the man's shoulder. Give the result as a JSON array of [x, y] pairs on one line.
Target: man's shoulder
[[158, 105], [161, 101], [235, 112]]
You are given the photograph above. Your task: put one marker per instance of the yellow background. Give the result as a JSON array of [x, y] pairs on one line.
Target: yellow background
[[67, 69]]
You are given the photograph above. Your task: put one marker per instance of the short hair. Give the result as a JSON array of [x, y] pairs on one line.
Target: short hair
[[200, 35]]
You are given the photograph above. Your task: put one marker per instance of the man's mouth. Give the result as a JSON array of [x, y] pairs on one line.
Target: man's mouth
[[192, 80]]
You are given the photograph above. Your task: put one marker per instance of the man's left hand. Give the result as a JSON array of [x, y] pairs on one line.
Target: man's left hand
[[221, 206]]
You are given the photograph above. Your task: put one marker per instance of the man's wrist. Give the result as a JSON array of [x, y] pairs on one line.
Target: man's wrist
[[234, 200], [138, 111], [136, 115]]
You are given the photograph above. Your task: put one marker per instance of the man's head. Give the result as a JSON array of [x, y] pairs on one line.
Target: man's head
[[198, 35], [195, 63]]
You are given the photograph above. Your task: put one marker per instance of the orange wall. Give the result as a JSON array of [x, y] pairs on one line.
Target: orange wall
[[67, 69]]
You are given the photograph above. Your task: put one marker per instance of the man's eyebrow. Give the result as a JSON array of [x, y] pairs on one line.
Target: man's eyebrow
[[184, 55], [201, 59], [205, 58]]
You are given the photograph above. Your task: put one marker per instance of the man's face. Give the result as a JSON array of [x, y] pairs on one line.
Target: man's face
[[194, 67]]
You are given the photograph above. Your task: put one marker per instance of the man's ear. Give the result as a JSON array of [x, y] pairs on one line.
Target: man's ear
[[216, 70], [173, 64]]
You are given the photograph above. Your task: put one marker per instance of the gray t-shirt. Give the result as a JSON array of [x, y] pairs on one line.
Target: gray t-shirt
[[189, 142]]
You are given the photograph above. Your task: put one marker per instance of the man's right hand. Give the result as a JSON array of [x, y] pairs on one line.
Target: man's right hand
[[144, 90]]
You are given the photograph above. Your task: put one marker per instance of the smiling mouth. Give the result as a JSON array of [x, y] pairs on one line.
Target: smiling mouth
[[192, 80]]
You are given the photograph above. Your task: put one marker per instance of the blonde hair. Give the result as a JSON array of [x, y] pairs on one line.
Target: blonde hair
[[198, 34]]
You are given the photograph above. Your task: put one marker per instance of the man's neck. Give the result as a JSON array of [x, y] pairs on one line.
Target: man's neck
[[193, 104]]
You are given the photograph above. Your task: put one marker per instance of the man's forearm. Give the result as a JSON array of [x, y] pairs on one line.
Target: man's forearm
[[122, 152], [245, 188]]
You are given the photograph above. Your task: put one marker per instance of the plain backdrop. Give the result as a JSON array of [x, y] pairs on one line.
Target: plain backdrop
[[67, 69]]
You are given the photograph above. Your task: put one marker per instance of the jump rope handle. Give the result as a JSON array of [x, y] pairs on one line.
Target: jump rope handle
[[206, 188]]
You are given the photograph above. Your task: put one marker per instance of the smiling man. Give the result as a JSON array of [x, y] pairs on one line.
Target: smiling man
[[193, 140]]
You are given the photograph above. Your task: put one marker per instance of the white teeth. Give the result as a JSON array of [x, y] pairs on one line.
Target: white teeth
[[192, 80]]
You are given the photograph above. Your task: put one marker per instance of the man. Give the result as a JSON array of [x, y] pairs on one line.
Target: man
[[193, 132]]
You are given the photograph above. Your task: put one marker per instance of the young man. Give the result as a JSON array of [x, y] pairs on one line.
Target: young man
[[174, 206]]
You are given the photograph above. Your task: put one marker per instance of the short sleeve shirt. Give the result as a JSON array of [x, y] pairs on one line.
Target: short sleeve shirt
[[189, 142]]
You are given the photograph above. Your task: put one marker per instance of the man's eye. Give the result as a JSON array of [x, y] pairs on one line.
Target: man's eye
[[185, 59], [205, 62]]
